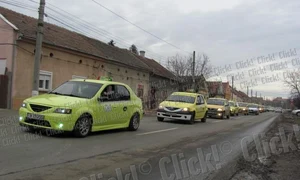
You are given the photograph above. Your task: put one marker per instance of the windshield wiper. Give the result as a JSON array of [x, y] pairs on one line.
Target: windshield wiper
[[56, 93], [72, 95]]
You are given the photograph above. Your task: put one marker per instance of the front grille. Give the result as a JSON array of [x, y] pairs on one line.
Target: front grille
[[212, 109], [38, 122], [39, 108], [172, 108]]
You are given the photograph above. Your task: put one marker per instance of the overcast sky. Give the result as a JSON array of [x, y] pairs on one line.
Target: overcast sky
[[227, 31]]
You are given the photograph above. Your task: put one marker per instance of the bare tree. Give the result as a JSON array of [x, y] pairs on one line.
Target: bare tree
[[178, 65], [111, 43], [134, 49], [182, 65], [293, 82]]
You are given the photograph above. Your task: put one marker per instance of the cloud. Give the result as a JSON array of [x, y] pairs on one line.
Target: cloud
[[227, 31]]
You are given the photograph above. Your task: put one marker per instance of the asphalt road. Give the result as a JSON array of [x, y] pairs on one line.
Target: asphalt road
[[158, 150]]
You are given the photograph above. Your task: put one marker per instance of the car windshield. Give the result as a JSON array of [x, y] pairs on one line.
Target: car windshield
[[215, 101], [79, 89], [181, 98], [242, 104], [231, 104]]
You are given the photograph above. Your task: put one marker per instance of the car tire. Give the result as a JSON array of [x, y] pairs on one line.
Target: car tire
[[228, 116], [237, 114], [134, 123], [223, 115], [298, 113], [192, 120], [160, 119], [83, 126], [204, 118]]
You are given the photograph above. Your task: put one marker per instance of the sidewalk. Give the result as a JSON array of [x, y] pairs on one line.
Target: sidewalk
[[7, 113], [150, 112]]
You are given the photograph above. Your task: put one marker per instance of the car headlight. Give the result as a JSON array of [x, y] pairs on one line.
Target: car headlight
[[24, 105], [63, 111], [160, 107], [244, 109], [220, 109], [185, 109]]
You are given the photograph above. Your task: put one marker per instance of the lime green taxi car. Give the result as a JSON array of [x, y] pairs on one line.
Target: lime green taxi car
[[83, 106], [183, 106], [234, 108]]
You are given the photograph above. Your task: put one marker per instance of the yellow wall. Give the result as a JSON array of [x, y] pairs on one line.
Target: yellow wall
[[63, 65]]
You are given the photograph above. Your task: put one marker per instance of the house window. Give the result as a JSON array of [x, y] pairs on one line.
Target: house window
[[45, 81], [78, 77]]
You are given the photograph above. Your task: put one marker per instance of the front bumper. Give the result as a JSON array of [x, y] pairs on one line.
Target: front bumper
[[174, 115], [214, 113], [253, 111], [54, 121]]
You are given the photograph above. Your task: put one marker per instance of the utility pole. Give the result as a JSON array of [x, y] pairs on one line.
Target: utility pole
[[232, 88], [38, 49], [193, 70], [248, 91], [251, 95]]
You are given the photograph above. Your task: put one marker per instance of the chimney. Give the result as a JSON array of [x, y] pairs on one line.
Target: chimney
[[142, 53]]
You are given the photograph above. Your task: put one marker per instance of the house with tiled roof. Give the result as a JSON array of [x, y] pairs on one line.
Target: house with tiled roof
[[219, 89], [65, 55], [161, 82]]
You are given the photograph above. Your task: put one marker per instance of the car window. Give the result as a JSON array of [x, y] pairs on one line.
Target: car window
[[109, 93], [199, 100], [216, 102], [122, 93]]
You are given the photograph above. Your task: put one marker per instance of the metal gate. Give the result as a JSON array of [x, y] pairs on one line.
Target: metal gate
[[3, 91]]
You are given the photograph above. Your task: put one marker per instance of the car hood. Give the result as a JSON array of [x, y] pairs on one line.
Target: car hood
[[176, 104], [55, 100], [251, 108], [215, 106]]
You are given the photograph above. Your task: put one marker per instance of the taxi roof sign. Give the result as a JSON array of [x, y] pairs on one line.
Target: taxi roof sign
[[105, 78]]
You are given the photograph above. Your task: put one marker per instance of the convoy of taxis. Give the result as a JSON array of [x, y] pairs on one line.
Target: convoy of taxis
[[82, 106]]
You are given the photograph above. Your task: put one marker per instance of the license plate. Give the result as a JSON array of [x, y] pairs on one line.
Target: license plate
[[168, 114], [35, 116]]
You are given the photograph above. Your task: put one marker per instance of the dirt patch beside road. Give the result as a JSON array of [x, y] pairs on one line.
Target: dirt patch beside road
[[275, 155]]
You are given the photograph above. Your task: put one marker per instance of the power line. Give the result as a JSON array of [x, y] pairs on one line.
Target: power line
[[138, 26], [20, 5], [92, 28]]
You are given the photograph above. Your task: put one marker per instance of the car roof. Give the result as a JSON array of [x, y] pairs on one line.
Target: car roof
[[186, 94], [98, 81], [218, 98]]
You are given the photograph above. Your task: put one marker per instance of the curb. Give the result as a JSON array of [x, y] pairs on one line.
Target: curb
[[231, 168]]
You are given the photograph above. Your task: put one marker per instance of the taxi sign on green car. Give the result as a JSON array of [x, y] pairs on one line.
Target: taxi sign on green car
[[83, 106]]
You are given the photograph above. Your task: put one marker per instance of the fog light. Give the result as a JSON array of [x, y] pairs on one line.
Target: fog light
[[219, 114], [60, 125], [20, 118]]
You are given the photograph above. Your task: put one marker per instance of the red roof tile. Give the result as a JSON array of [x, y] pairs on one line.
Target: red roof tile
[[156, 68], [61, 37]]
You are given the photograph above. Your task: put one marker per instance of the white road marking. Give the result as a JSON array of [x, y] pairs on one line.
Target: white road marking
[[217, 121], [153, 132]]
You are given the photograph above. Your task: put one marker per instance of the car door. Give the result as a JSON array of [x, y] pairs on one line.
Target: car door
[[108, 106], [200, 107], [125, 105]]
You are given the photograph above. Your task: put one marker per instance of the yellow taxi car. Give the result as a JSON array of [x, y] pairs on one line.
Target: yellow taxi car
[[218, 107], [243, 108], [183, 106], [234, 108], [83, 106]]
